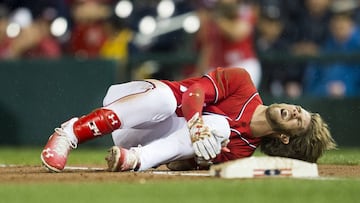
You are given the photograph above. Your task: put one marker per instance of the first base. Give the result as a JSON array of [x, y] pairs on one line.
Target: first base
[[254, 167]]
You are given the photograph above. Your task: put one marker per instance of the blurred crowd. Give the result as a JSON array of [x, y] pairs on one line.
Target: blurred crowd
[[262, 36]]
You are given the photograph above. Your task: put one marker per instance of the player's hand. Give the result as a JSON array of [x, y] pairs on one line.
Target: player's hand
[[206, 143]]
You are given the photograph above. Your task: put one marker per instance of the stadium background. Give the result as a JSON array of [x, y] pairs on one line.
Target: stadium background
[[39, 93]]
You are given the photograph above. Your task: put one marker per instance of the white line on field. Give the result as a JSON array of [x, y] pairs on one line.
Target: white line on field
[[84, 168], [179, 173], [7, 165]]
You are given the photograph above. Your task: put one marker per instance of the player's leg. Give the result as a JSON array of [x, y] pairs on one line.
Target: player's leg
[[123, 156], [126, 105], [175, 145], [129, 105]]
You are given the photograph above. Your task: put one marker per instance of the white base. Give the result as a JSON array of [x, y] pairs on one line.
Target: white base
[[253, 167]]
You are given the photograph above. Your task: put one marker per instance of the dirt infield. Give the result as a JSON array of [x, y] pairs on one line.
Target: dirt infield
[[25, 174]]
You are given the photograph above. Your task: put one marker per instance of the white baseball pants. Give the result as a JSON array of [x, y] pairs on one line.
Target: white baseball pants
[[146, 110]]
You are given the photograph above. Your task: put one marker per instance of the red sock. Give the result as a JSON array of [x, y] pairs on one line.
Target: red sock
[[97, 123]]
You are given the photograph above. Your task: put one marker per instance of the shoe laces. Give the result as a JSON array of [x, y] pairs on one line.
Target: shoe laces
[[63, 142], [132, 160]]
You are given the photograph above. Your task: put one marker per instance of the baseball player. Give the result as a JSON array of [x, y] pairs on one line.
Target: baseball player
[[210, 119]]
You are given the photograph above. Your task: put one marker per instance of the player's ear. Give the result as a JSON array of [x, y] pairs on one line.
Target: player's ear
[[284, 138]]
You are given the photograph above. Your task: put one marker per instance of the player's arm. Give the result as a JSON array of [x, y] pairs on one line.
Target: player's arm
[[214, 87], [193, 101], [206, 143]]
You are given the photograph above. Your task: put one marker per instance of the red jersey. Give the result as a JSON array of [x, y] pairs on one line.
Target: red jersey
[[235, 51], [87, 39], [231, 93], [227, 52]]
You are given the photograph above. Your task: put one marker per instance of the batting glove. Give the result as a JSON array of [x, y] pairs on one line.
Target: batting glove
[[206, 143]]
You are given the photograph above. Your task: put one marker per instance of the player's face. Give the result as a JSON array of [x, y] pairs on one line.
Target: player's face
[[288, 118]]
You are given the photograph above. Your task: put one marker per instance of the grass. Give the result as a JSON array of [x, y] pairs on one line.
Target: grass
[[346, 156], [31, 156], [204, 190], [270, 190]]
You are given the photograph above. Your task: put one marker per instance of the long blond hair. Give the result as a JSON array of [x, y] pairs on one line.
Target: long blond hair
[[308, 146]]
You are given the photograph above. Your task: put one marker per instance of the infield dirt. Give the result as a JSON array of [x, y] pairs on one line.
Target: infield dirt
[[25, 174]]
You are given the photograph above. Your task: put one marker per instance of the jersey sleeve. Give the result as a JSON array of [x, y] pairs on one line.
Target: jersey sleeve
[[214, 87], [196, 97], [193, 101], [227, 81]]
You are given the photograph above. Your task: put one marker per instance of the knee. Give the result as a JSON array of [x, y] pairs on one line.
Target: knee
[[163, 97], [107, 99]]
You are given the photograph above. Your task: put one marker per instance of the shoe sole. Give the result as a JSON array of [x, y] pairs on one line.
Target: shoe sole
[[47, 166], [113, 159]]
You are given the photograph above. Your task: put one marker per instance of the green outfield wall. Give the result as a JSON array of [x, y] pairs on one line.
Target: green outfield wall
[[37, 95]]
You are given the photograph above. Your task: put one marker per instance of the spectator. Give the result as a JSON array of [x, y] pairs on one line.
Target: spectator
[[88, 34], [226, 38], [347, 5], [271, 42], [4, 39], [312, 27], [118, 38], [34, 39], [340, 78], [305, 31]]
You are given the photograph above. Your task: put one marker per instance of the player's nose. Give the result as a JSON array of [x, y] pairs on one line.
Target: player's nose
[[295, 112]]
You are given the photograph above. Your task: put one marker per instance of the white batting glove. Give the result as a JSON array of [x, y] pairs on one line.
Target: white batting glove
[[206, 143]]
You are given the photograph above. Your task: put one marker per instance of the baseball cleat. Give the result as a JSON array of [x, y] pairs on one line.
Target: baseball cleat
[[120, 159], [56, 150]]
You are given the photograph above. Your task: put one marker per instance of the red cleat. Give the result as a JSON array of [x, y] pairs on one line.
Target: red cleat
[[55, 153], [120, 159]]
